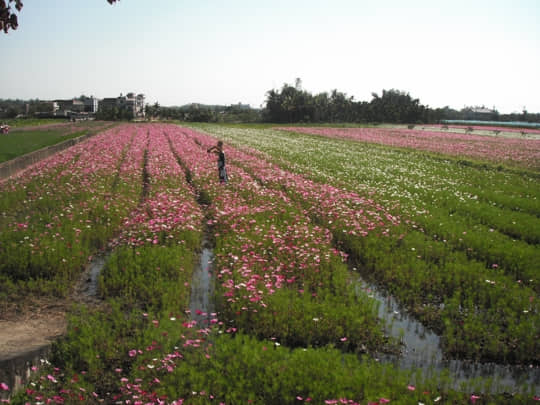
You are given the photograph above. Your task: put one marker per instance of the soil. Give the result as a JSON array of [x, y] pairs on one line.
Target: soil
[[41, 320], [22, 331]]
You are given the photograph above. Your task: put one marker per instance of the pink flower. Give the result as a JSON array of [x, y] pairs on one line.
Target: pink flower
[[411, 387], [474, 398], [383, 401], [343, 339], [4, 387], [132, 353]]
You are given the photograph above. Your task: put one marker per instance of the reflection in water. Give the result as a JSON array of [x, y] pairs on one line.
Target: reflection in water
[[94, 269], [202, 289], [422, 350]]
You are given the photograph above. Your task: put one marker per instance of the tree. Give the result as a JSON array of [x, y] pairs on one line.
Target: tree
[[156, 110], [8, 18], [397, 107]]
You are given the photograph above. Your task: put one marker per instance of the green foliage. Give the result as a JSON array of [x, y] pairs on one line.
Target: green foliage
[[20, 143], [32, 122], [292, 104], [242, 369], [152, 278]]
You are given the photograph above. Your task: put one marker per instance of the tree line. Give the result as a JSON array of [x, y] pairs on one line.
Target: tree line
[[204, 113], [292, 104]]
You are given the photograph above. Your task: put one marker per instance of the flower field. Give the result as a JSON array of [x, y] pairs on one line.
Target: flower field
[[289, 325], [495, 129], [506, 151], [464, 256]]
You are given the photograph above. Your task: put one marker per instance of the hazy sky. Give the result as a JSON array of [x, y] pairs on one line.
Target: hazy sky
[[444, 52]]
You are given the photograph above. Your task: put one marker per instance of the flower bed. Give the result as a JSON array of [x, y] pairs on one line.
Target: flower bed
[[509, 151]]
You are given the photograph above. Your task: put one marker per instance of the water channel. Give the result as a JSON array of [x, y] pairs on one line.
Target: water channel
[[91, 275], [202, 288], [422, 350]]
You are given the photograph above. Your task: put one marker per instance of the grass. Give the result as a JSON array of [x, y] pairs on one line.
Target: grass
[[21, 141], [31, 122]]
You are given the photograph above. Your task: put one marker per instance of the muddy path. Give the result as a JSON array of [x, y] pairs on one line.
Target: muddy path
[[43, 320], [27, 334], [32, 328]]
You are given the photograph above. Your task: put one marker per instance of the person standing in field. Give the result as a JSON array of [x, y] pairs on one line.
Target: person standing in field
[[218, 150]]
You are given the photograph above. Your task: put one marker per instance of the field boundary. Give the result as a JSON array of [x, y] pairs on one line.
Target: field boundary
[[19, 163]]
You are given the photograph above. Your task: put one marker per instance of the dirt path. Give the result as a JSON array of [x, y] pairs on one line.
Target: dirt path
[[24, 332], [44, 320]]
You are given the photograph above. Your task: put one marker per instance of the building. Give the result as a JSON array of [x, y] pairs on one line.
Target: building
[[107, 103], [91, 104], [70, 105], [132, 103], [479, 113], [65, 108]]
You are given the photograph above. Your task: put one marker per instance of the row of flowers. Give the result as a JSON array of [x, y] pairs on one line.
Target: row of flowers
[[511, 151], [148, 271], [170, 205]]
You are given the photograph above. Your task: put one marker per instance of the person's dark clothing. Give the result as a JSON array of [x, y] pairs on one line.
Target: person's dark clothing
[[221, 168]]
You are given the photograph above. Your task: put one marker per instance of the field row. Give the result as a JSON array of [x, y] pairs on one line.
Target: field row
[[287, 310]]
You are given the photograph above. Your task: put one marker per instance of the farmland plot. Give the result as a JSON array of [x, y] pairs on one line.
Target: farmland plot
[[465, 259], [290, 324]]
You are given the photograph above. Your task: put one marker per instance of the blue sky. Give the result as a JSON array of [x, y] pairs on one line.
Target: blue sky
[[444, 52]]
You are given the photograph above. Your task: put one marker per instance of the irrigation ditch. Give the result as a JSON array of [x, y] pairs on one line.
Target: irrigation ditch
[[422, 350], [202, 304]]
